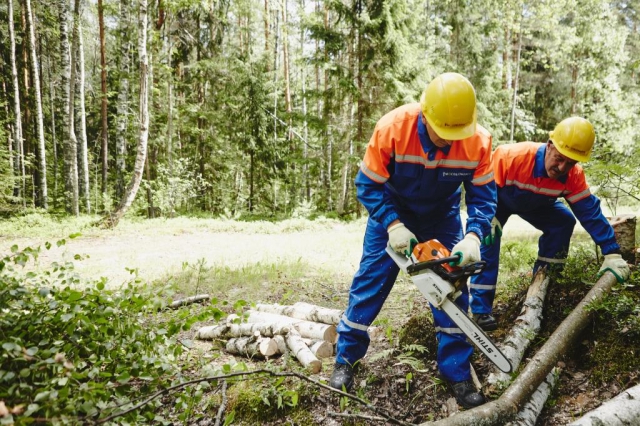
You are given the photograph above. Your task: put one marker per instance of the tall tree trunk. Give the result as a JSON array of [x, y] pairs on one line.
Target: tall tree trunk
[[42, 163], [85, 187], [123, 99], [9, 127], [52, 97], [143, 119], [71, 143], [515, 83], [18, 147], [103, 102]]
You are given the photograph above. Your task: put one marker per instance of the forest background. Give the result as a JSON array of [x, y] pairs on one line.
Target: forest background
[[242, 108]]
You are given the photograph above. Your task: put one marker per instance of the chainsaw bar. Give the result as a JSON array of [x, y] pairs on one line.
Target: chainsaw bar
[[441, 293]]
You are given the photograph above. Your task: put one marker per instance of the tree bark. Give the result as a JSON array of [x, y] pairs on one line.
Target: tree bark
[[524, 331], [143, 118], [311, 330], [103, 101], [84, 184], [624, 227], [242, 329], [68, 83], [122, 107], [303, 311], [623, 410], [302, 353], [504, 409], [254, 346], [42, 161], [17, 139]]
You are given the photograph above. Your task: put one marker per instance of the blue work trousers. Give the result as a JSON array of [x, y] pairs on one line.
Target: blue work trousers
[[373, 282], [556, 223]]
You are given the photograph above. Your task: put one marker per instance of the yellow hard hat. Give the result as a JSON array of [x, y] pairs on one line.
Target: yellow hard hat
[[449, 105], [573, 137]]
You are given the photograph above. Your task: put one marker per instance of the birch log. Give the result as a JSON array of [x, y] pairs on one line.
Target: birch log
[[528, 415], [624, 409], [253, 346], [222, 331], [282, 344], [624, 227], [308, 329], [189, 300], [303, 311], [302, 353], [504, 409], [320, 348], [526, 328]]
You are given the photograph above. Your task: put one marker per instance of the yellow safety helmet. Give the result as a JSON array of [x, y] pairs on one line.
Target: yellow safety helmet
[[574, 137], [449, 105]]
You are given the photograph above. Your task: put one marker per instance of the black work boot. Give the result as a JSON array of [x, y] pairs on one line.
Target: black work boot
[[342, 376], [486, 321], [466, 394]]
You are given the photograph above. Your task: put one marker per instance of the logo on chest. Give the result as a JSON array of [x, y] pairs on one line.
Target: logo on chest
[[453, 175]]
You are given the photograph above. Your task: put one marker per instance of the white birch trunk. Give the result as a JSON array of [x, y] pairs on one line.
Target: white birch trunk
[[528, 415], [242, 329], [16, 103], [623, 410], [303, 311], [189, 300], [122, 107], [71, 142], [526, 328], [320, 348], [85, 190], [143, 120], [302, 353], [311, 330], [42, 161]]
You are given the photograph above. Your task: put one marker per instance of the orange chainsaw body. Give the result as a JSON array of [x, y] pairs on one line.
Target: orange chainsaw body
[[432, 250]]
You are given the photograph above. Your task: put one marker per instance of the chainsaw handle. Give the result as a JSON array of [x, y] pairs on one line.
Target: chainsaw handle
[[429, 264]]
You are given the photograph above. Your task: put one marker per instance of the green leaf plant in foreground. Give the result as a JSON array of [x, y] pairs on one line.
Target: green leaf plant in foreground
[[73, 353]]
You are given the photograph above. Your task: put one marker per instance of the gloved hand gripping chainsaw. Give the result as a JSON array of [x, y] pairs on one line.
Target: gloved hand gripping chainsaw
[[439, 282]]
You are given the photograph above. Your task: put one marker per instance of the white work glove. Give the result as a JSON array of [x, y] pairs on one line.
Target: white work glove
[[468, 249], [616, 265], [496, 231], [401, 239]]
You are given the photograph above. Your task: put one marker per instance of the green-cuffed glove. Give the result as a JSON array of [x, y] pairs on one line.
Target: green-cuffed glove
[[615, 264], [401, 239], [468, 249], [496, 231]]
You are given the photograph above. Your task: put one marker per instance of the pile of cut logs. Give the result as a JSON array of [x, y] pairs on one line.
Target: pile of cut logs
[[306, 331]]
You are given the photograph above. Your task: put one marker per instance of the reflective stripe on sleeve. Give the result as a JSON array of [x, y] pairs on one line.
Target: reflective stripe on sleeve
[[449, 330], [482, 286]]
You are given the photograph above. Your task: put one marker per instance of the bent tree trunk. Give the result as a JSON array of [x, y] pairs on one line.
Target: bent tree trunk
[[503, 409], [130, 194]]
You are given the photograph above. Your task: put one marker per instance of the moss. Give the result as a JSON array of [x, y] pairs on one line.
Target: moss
[[419, 330]]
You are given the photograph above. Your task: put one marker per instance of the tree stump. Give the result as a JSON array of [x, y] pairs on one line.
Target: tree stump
[[624, 226]]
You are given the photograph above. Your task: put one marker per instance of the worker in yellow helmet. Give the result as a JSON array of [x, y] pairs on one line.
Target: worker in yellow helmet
[[417, 159], [530, 178]]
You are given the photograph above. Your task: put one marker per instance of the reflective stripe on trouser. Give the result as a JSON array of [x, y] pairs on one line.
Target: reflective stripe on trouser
[[371, 286], [556, 223]]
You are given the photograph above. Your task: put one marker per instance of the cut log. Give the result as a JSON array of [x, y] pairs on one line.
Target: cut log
[[303, 311], [504, 409], [624, 227], [282, 344], [253, 346], [308, 329], [526, 328], [320, 348], [189, 300], [303, 353], [624, 409], [528, 415], [243, 329]]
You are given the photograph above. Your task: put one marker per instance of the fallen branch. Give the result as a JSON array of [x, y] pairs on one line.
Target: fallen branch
[[180, 386], [624, 409], [223, 404], [189, 300], [508, 405]]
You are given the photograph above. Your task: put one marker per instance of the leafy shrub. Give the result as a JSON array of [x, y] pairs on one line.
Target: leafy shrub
[[70, 356]]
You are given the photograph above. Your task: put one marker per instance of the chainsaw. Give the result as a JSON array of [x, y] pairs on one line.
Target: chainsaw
[[440, 283]]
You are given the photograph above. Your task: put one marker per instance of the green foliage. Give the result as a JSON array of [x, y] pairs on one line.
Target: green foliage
[[72, 354]]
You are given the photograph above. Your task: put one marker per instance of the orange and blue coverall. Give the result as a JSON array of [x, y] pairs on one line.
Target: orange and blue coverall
[[525, 189], [405, 176]]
